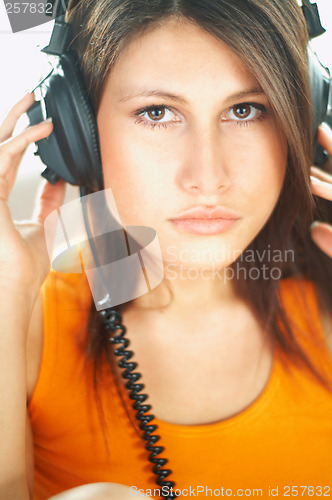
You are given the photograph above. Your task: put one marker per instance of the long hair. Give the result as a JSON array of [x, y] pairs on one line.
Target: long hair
[[270, 37]]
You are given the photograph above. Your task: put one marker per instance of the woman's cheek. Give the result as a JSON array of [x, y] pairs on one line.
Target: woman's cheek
[[135, 172]]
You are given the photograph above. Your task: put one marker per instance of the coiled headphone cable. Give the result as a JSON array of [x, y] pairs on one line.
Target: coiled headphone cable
[[113, 322]]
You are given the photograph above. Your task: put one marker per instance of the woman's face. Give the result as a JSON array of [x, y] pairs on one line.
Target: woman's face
[[183, 125]]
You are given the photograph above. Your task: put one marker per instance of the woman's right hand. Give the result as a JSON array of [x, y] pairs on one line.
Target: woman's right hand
[[24, 261]]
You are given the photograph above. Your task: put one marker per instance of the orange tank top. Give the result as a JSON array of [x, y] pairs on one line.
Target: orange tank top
[[280, 444]]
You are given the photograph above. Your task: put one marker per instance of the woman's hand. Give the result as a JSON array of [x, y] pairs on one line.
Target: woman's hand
[[101, 491], [24, 261], [321, 185]]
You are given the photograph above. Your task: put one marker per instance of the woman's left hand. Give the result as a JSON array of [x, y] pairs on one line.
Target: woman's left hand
[[321, 185]]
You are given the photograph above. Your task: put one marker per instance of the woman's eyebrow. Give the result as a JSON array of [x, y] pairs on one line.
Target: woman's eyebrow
[[182, 100]]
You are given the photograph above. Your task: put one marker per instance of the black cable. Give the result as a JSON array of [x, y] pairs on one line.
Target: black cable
[[112, 321], [84, 199]]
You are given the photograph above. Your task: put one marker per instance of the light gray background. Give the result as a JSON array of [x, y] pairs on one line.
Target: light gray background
[[22, 65]]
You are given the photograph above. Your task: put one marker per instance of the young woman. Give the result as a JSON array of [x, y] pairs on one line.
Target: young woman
[[204, 118]]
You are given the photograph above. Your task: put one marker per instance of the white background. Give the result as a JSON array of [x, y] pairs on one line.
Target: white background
[[22, 65]]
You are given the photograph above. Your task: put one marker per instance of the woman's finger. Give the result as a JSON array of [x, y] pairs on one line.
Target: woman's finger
[[321, 234], [50, 198], [11, 176], [8, 124], [12, 150], [324, 137], [320, 174], [321, 183]]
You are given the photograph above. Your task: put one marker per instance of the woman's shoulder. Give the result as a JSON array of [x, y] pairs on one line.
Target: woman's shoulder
[[300, 298], [34, 346]]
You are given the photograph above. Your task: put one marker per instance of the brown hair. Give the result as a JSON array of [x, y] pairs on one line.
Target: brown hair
[[270, 37]]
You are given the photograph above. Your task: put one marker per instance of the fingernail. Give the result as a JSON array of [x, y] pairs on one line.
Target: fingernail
[[314, 180], [314, 224], [325, 126], [48, 120]]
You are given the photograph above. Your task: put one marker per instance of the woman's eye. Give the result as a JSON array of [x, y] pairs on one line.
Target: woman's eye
[[155, 116], [162, 116], [245, 113]]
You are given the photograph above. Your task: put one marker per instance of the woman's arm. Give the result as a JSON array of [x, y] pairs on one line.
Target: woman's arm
[[19, 365], [24, 264], [13, 320]]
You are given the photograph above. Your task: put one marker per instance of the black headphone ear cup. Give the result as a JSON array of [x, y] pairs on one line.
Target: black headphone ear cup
[[75, 126]]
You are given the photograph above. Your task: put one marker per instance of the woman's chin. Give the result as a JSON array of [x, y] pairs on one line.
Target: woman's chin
[[203, 270]]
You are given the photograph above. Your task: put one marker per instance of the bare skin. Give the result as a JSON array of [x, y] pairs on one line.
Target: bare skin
[[23, 267], [98, 491]]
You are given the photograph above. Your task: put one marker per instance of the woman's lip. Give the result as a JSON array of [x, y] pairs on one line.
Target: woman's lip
[[208, 213], [204, 226]]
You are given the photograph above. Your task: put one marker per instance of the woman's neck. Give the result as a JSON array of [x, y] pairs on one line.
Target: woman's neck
[[187, 292]]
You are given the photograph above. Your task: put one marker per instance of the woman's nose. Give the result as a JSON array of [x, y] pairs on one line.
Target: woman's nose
[[203, 169]]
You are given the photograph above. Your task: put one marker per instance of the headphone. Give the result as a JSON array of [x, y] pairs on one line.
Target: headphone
[[72, 151]]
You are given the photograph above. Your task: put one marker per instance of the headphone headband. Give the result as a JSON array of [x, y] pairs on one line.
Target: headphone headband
[[61, 8], [61, 34]]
